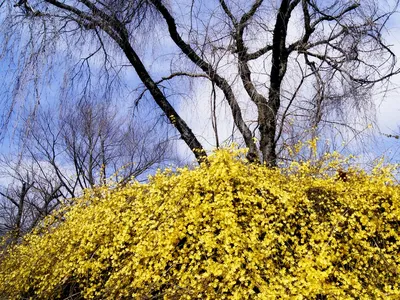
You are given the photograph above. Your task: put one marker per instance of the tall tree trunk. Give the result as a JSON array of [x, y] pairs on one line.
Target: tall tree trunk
[[22, 198], [267, 112]]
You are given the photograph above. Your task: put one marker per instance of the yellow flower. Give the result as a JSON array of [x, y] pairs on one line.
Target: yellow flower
[[224, 230]]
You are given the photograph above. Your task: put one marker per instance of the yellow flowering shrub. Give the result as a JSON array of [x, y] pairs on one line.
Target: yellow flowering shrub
[[224, 230]]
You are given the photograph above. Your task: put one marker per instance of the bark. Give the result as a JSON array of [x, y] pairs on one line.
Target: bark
[[18, 222], [267, 112]]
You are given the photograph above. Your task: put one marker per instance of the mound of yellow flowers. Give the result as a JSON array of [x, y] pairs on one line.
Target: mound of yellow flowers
[[225, 230]]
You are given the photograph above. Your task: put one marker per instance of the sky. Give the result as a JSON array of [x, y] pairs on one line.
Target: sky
[[389, 106], [196, 104], [386, 104]]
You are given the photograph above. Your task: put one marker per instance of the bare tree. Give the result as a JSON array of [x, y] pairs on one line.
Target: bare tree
[[334, 51], [98, 141], [30, 194], [85, 144], [12, 210]]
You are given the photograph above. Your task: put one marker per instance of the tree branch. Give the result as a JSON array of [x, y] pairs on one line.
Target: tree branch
[[228, 13], [209, 70]]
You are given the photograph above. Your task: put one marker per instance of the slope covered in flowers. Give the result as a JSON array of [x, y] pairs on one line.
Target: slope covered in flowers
[[224, 230]]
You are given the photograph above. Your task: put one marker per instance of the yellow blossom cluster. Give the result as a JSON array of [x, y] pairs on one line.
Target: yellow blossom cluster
[[227, 229]]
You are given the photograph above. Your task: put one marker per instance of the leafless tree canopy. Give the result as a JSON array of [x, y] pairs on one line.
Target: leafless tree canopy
[[281, 67], [87, 144]]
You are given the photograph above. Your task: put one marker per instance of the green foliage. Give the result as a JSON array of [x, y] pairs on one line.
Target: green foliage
[[225, 230]]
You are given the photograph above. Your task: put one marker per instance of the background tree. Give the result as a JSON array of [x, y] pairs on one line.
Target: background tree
[[85, 145], [31, 193], [335, 52]]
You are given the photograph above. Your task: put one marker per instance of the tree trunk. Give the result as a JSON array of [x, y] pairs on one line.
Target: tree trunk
[[185, 131], [267, 112]]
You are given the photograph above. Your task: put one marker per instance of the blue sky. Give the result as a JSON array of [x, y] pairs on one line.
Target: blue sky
[[387, 106]]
